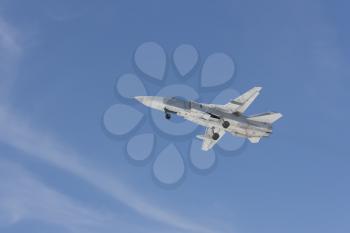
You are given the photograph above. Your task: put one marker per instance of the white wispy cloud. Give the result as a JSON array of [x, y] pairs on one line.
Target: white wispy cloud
[[8, 39], [10, 53], [24, 197], [17, 132]]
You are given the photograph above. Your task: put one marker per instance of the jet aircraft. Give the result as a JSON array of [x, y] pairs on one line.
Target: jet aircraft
[[218, 118]]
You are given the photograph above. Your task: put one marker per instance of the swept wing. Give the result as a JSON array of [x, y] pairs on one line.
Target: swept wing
[[241, 103]]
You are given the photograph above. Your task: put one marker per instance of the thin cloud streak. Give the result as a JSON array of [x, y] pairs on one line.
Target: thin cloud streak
[[17, 133], [8, 39], [22, 197], [10, 53]]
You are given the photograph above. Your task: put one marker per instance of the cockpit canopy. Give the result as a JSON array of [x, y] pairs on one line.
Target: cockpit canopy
[[179, 102]]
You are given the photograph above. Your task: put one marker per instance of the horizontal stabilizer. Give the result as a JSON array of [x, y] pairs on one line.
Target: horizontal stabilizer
[[254, 139], [268, 117]]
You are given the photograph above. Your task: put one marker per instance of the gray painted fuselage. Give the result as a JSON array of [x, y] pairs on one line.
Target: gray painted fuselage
[[208, 115]]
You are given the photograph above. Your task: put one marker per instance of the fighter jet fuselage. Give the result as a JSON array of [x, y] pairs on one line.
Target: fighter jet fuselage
[[218, 119]]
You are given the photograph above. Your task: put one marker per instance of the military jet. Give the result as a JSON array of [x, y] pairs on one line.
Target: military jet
[[218, 118]]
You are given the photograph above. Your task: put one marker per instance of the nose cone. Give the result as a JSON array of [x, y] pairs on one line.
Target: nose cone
[[146, 100], [141, 99], [151, 101]]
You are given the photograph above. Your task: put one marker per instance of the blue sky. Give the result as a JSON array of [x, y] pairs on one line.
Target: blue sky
[[59, 171]]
